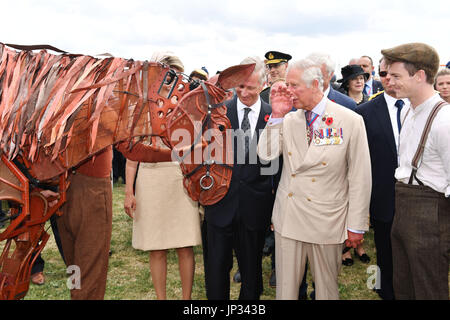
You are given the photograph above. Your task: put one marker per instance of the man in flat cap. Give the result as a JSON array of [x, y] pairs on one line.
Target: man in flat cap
[[276, 66], [421, 228]]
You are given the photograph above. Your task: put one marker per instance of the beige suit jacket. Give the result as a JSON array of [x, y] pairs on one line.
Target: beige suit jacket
[[323, 189]]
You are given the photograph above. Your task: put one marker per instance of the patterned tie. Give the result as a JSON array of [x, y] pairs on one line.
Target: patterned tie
[[399, 104], [245, 126], [367, 89], [309, 126]]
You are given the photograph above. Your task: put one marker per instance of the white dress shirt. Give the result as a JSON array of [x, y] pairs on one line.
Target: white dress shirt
[[434, 168], [319, 110], [369, 83], [253, 115]]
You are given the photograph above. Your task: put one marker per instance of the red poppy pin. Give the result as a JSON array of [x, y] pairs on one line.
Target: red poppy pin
[[266, 118], [328, 119]]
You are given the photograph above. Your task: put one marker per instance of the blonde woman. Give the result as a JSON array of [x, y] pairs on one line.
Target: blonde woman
[[164, 217], [442, 84]]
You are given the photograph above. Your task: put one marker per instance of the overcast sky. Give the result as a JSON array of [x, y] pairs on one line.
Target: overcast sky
[[219, 34]]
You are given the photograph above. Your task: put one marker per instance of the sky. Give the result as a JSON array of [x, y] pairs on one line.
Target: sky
[[220, 34]]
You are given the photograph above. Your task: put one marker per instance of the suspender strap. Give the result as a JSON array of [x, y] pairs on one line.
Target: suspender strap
[[421, 147]]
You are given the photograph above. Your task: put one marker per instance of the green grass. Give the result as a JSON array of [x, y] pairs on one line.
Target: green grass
[[129, 275]]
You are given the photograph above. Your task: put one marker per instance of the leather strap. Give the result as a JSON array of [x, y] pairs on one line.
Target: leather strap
[[421, 147], [34, 47]]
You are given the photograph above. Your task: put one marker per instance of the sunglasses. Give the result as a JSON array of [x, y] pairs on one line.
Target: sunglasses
[[274, 65], [382, 74]]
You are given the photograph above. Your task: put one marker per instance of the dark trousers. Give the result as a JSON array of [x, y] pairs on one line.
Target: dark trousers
[[420, 243], [382, 237], [39, 264], [218, 246], [118, 165]]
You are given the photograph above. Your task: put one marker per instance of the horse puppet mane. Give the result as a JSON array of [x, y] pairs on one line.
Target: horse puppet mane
[[57, 110]]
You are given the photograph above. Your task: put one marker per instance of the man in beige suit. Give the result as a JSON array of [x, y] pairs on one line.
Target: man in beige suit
[[324, 193]]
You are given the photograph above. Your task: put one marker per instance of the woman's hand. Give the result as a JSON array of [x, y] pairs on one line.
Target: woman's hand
[[52, 197], [130, 204]]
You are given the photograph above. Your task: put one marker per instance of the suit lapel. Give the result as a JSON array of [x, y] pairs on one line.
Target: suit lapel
[[384, 120], [314, 152], [232, 113], [296, 144], [261, 123]]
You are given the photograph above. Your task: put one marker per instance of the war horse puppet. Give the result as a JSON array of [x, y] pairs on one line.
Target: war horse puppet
[[58, 110]]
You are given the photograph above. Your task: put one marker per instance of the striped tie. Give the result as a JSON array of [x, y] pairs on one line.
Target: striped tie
[[309, 126]]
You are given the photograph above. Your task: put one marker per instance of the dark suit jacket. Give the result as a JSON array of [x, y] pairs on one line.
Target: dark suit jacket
[[383, 155], [250, 193], [376, 86], [265, 95], [341, 99]]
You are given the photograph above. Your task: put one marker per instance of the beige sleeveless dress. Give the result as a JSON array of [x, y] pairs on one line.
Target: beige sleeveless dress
[[165, 215]]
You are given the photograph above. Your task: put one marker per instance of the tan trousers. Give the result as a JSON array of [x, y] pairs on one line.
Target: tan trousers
[[85, 229], [290, 259]]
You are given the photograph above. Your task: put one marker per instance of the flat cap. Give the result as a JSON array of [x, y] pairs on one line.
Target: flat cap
[[421, 55], [276, 57]]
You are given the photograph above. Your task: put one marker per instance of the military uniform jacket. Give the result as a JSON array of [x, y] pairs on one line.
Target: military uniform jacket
[[324, 189]]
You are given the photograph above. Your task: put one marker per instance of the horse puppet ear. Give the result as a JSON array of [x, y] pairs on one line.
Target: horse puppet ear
[[233, 76]]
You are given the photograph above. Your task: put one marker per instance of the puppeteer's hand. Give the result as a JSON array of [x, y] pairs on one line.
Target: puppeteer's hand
[[130, 204], [144, 153], [354, 239], [281, 99], [52, 197]]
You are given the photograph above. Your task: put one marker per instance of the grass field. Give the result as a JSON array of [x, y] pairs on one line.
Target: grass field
[[129, 274]]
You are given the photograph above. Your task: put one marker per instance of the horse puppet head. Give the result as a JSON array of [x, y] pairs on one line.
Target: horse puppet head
[[198, 136]]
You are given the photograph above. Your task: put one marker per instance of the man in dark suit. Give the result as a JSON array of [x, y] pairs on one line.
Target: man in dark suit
[[239, 221], [380, 118], [372, 86]]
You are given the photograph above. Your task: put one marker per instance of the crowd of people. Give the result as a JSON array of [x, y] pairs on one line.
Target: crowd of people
[[351, 153]]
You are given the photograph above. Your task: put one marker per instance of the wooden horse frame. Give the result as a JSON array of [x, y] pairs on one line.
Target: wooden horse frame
[[60, 110]]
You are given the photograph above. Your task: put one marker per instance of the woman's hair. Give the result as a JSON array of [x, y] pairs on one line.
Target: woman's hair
[[442, 72], [199, 73], [168, 58]]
